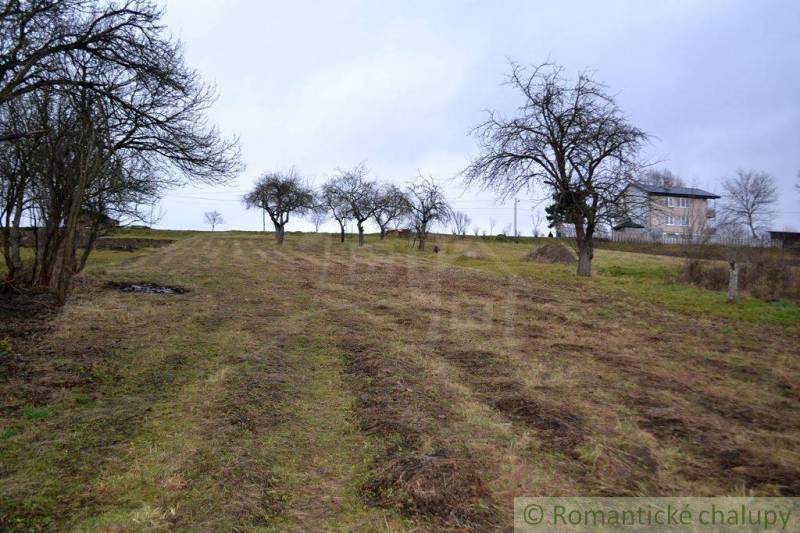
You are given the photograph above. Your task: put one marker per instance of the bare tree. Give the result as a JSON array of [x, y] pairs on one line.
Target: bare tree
[[428, 207], [663, 177], [569, 137], [116, 117], [213, 219], [536, 219], [319, 214], [391, 206], [46, 42], [749, 199], [460, 223], [476, 230], [336, 205], [280, 194], [359, 194]]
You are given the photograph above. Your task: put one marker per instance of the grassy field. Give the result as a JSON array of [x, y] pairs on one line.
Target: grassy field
[[322, 386]]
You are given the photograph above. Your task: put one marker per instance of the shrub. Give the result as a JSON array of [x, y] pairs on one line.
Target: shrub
[[766, 278]]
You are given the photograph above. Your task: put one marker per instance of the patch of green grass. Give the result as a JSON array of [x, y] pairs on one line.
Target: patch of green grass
[[8, 432], [38, 413]]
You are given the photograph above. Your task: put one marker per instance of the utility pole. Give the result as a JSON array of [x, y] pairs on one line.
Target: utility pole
[[516, 201]]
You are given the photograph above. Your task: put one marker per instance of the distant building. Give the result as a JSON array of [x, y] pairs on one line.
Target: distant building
[[669, 211], [786, 239]]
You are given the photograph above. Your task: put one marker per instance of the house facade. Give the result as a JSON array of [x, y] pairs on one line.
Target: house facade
[[666, 211]]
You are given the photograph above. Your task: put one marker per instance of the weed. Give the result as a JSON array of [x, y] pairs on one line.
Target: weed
[[8, 432], [38, 413]]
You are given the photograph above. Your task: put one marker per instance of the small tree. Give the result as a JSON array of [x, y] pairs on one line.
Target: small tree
[[536, 220], [749, 199], [391, 207], [570, 138], [213, 219], [280, 194], [460, 222], [359, 194], [336, 205], [428, 207], [318, 216]]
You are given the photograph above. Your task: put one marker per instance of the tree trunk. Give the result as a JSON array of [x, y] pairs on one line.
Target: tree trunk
[[279, 231], [585, 254], [66, 262], [583, 238], [360, 234], [341, 227], [733, 282], [12, 237], [91, 240], [383, 232], [421, 242]]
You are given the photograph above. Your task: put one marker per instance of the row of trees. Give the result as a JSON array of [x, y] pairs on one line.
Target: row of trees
[[98, 115], [351, 196]]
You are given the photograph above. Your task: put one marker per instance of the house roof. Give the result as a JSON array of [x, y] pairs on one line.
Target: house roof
[[785, 234], [688, 192], [628, 224]]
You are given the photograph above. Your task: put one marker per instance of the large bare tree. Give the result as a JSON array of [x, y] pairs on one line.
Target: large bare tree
[[45, 43], [391, 206], [571, 138], [116, 117], [428, 207], [280, 194], [749, 200]]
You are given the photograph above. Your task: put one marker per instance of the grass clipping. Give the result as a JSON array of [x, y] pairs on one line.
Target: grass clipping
[[552, 252]]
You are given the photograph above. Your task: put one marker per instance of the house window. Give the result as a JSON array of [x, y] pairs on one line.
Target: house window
[[669, 201], [683, 221], [670, 220], [683, 202]]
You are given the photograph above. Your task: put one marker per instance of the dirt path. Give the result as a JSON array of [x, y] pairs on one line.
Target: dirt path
[[318, 386]]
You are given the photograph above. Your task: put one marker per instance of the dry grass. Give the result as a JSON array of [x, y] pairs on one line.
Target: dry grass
[[324, 386]]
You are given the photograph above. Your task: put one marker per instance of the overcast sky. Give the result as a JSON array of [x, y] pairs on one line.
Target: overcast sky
[[321, 85]]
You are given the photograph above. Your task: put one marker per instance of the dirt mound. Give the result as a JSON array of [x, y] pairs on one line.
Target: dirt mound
[[552, 252]]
